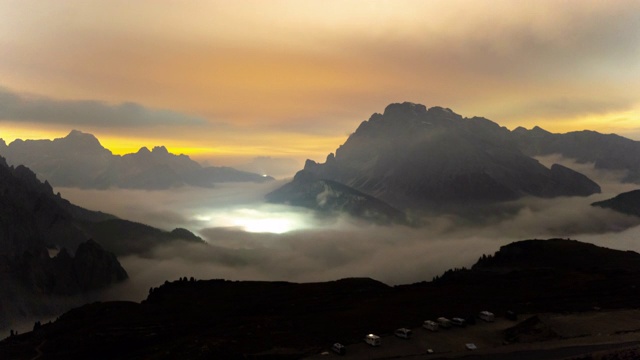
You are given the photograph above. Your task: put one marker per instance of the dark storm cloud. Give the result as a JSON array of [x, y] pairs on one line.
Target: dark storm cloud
[[20, 107]]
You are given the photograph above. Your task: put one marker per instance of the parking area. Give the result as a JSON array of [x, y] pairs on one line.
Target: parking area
[[573, 330]]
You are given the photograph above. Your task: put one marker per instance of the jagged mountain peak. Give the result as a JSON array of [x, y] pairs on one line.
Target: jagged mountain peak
[[160, 150], [414, 157], [405, 108], [79, 138], [143, 150]]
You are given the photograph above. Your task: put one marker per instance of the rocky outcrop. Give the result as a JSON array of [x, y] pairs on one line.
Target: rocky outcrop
[[95, 268]]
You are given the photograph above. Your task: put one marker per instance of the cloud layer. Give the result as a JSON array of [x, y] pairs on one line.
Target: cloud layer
[[15, 107], [320, 249]]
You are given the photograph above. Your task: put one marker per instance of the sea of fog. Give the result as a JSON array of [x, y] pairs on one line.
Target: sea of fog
[[248, 239]]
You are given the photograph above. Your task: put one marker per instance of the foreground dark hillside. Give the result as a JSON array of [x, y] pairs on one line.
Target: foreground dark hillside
[[200, 319]]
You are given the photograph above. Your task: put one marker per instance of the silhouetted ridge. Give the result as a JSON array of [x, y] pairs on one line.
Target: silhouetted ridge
[[558, 254], [627, 203], [79, 160]]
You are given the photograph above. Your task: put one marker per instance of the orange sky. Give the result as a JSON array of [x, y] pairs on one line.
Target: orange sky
[[229, 81]]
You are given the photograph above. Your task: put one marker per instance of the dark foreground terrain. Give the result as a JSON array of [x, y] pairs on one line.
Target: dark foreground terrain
[[199, 319]]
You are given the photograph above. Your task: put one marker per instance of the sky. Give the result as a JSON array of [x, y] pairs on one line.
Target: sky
[[228, 81]]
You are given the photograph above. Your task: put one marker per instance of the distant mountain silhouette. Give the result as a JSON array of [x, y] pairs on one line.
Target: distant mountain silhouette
[[79, 160], [606, 151], [627, 203], [414, 157]]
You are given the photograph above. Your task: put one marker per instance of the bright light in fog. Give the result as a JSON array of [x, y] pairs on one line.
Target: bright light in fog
[[262, 219], [273, 225]]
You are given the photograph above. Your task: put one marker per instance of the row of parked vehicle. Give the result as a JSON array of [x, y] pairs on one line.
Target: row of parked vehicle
[[441, 322]]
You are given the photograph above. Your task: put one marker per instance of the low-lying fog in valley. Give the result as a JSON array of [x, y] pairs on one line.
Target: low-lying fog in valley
[[251, 240]]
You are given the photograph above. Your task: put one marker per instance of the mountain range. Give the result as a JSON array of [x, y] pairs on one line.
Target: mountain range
[[414, 158], [605, 151], [79, 160]]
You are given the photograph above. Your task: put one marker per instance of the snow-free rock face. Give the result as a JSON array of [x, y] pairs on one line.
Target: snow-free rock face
[[414, 157]]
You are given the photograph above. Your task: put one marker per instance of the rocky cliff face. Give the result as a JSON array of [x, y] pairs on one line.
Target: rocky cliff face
[[414, 157]]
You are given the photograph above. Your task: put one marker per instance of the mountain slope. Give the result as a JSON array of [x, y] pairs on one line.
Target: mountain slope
[[606, 151], [414, 157], [331, 197], [32, 221], [79, 160], [53, 254], [627, 203]]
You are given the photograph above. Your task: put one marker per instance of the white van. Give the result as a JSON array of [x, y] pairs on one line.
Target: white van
[[403, 333], [373, 340], [430, 325], [487, 316]]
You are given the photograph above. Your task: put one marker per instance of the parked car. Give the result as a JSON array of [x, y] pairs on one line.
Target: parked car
[[487, 316], [403, 333], [471, 346], [430, 325], [458, 322], [372, 339], [512, 315], [339, 349]]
